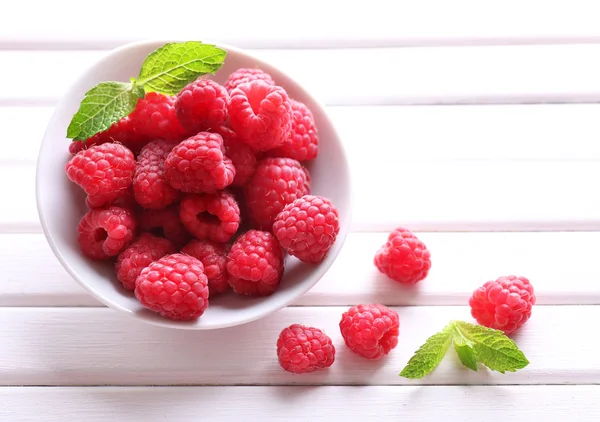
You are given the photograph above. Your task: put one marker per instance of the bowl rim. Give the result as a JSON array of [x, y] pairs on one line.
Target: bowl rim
[[159, 321]]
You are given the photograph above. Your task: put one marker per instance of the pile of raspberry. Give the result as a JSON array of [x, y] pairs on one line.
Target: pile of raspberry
[[204, 192]]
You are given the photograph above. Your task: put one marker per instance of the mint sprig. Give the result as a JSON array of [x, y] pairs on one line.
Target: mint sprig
[[474, 344], [166, 70]]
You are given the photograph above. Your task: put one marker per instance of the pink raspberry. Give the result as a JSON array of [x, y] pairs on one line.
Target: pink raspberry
[[260, 114], [275, 183], [105, 232], [403, 258], [123, 199], [141, 253], [255, 264], [150, 188], [175, 286], [155, 117], [307, 228], [245, 75], [303, 142], [120, 132], [302, 349], [215, 217], [105, 169], [198, 165], [202, 105], [504, 304], [214, 258], [165, 223], [370, 331]]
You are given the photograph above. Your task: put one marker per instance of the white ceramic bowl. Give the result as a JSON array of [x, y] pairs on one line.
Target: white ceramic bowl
[[61, 203]]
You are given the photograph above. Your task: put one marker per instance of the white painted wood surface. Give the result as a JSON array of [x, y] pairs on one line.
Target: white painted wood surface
[[473, 124]]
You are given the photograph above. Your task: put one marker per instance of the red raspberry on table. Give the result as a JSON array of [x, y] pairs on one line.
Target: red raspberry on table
[[198, 165], [275, 183], [105, 169], [245, 75], [504, 304], [307, 228], [165, 223], [105, 232], [243, 159], [302, 349], [214, 258], [150, 188], [123, 199], [403, 258], [202, 105], [155, 117], [138, 255], [215, 217], [260, 114], [370, 331], [255, 264], [175, 286], [303, 141]]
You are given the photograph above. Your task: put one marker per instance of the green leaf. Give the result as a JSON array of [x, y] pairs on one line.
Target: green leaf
[[429, 355], [464, 349], [102, 106], [171, 67], [492, 347]]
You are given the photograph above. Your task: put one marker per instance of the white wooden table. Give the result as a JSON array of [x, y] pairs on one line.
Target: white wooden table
[[486, 114]]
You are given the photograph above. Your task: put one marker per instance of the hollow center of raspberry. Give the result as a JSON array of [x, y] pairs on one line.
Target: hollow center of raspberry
[[208, 218], [158, 231], [256, 95], [100, 235]]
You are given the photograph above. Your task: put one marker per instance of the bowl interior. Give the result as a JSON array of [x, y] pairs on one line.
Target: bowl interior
[[61, 203]]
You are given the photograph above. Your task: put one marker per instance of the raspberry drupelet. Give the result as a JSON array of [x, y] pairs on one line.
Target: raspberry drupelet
[[202, 105], [504, 304], [302, 349], [214, 217], [175, 286], [403, 258], [371, 331], [214, 258], [255, 264], [150, 188], [105, 232]]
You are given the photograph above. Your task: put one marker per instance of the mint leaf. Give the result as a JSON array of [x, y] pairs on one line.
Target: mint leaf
[[102, 106], [492, 347], [171, 67], [429, 355], [464, 349]]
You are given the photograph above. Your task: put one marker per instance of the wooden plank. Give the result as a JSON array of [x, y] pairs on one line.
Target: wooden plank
[[264, 404], [396, 76], [380, 23], [461, 262], [441, 133], [424, 196], [100, 346]]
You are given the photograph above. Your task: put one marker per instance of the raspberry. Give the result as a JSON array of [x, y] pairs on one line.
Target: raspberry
[[165, 223], [403, 258], [215, 217], [175, 286], [103, 169], [255, 264], [275, 183], [303, 142], [245, 75], [150, 188], [504, 304], [370, 331], [123, 199], [302, 349], [105, 232], [155, 117], [198, 165], [202, 105], [307, 228], [243, 159], [214, 258], [141, 253], [120, 132], [260, 114]]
